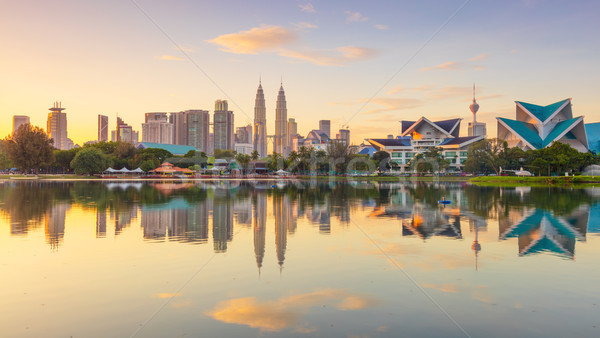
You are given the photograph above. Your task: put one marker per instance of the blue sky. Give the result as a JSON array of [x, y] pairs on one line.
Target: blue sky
[[335, 59]]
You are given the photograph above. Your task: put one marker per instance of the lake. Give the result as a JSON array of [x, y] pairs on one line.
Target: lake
[[297, 258]]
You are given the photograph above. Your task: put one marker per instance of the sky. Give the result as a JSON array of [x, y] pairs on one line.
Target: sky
[[365, 65]]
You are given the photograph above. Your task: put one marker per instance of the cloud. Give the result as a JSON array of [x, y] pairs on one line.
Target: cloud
[[164, 295], [355, 17], [308, 8], [170, 58], [337, 57], [451, 65], [258, 39], [479, 57], [452, 288], [285, 312], [479, 68], [304, 26], [274, 38], [381, 27]]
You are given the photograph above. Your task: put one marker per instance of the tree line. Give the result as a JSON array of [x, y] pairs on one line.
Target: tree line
[[30, 150]]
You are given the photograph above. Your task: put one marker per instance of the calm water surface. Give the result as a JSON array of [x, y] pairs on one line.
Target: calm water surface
[[233, 259]]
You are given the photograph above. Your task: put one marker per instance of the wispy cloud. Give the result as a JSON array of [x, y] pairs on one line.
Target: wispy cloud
[[355, 17], [304, 26], [285, 312], [276, 39], [336, 57], [381, 27], [480, 57], [166, 295], [308, 8], [170, 58], [263, 38], [456, 65], [451, 65]]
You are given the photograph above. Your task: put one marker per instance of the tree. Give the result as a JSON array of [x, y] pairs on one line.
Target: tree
[[29, 148], [255, 155], [124, 151], [224, 153], [63, 158], [340, 155], [490, 155], [5, 162], [89, 161], [190, 153], [429, 161], [243, 160]]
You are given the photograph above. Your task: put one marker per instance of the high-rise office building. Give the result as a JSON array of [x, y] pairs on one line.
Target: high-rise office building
[[223, 126], [124, 133], [102, 128], [243, 134], [198, 129], [57, 126], [180, 129], [292, 130], [19, 120], [325, 127], [260, 122], [344, 136], [281, 138], [157, 129]]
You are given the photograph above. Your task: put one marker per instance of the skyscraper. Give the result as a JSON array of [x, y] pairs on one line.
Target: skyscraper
[[243, 134], [292, 130], [124, 132], [260, 122], [325, 127], [19, 120], [281, 139], [223, 126], [198, 129], [57, 126], [344, 136], [157, 129], [102, 128], [180, 130]]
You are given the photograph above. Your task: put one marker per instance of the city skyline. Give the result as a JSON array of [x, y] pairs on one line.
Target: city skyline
[[349, 62]]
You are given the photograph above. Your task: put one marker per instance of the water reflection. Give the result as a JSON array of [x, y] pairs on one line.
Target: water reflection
[[538, 220]]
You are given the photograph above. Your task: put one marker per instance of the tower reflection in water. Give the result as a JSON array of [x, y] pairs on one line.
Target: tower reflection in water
[[539, 221]]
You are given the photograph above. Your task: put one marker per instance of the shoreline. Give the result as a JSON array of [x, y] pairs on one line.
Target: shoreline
[[480, 181]]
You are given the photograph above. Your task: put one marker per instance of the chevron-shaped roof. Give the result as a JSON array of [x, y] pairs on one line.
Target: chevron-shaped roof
[[450, 127], [528, 133], [542, 113]]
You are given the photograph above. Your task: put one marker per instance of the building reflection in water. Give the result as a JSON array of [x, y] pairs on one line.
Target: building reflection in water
[[222, 221], [123, 218], [537, 221], [100, 223], [282, 213], [260, 224], [55, 224], [540, 230]]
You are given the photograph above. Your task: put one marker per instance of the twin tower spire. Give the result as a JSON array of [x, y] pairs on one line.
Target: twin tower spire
[[281, 142]]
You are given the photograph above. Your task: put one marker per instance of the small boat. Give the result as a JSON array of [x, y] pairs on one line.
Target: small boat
[[444, 201]]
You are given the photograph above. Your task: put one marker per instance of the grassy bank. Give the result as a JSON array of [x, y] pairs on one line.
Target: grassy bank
[[536, 180], [386, 178]]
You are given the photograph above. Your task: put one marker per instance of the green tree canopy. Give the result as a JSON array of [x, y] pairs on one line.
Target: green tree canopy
[[89, 161], [29, 148], [224, 153]]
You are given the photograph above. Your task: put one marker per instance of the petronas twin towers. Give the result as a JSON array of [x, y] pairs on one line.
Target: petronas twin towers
[[281, 141]]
